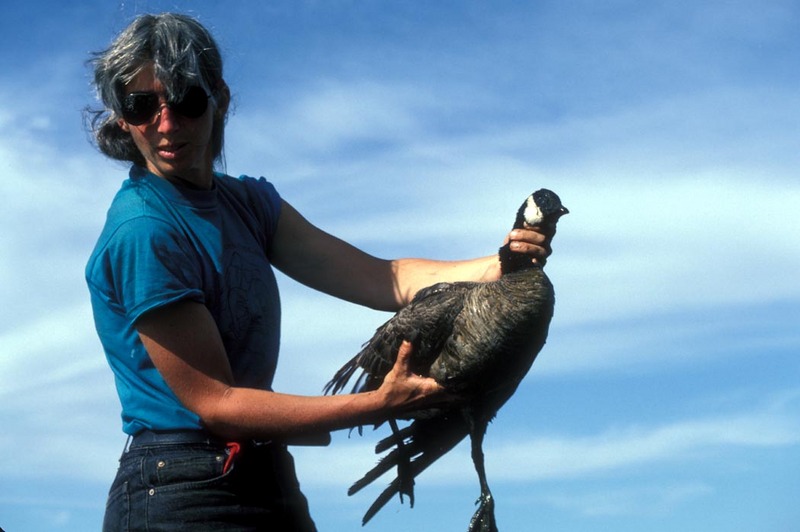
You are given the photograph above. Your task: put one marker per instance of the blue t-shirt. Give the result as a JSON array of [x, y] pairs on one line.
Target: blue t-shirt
[[164, 243]]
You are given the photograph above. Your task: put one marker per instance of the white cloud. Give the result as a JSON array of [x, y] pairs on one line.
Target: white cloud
[[329, 118], [543, 458], [639, 500], [52, 340]]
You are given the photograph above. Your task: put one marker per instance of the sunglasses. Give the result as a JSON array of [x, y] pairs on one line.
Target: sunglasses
[[139, 107]]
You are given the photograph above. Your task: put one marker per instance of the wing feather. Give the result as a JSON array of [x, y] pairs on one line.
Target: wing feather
[[428, 320]]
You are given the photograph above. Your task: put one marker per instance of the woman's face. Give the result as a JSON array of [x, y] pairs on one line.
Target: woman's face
[[175, 147]]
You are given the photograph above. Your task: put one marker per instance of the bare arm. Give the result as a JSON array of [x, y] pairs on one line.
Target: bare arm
[[183, 341], [322, 261]]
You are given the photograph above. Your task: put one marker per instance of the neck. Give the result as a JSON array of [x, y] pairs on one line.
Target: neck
[[200, 177], [511, 261], [205, 184]]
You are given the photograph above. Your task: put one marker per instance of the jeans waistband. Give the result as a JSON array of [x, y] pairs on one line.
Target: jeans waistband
[[189, 437], [174, 437]]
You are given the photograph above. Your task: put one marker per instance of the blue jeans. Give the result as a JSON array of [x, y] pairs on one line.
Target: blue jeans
[[178, 483]]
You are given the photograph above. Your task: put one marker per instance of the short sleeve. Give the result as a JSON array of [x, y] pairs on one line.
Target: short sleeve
[[265, 204], [148, 264]]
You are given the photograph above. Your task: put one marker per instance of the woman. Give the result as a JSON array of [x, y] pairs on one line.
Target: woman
[[186, 304]]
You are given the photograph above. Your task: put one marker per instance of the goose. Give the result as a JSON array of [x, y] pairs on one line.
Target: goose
[[478, 340]]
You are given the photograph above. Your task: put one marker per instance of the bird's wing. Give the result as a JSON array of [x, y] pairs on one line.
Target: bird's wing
[[427, 321]]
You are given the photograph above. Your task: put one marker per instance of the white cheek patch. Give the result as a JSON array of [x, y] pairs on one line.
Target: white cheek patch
[[533, 215]]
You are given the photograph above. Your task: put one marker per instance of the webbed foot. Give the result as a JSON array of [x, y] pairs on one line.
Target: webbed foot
[[483, 520]]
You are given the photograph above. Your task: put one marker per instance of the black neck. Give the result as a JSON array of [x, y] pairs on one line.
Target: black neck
[[511, 261]]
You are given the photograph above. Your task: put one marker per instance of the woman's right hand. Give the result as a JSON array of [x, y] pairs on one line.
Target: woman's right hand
[[404, 391]]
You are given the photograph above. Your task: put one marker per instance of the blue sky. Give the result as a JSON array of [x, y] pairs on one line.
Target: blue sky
[[667, 397]]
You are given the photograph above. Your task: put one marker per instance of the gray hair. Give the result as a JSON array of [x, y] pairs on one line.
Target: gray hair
[[183, 54]]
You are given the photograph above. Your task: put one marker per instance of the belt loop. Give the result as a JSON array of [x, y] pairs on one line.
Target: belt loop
[[127, 446], [233, 450]]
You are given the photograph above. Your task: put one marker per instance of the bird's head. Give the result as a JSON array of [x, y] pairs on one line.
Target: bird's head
[[542, 209]]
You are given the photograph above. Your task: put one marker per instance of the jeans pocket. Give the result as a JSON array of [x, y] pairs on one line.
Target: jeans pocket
[[166, 468], [189, 489]]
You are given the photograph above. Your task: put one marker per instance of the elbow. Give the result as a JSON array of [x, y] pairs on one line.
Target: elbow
[[222, 429], [217, 417]]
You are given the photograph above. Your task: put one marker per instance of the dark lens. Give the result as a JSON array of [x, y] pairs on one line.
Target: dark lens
[[139, 107], [193, 104]]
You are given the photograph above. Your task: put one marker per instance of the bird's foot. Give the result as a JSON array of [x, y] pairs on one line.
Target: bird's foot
[[405, 475], [406, 479], [483, 520]]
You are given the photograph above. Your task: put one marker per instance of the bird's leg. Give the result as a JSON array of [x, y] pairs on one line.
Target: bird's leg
[[483, 520], [405, 476]]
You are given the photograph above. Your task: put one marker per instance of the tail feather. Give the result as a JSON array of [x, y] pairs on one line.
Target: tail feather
[[403, 434], [381, 501], [384, 464], [424, 442], [395, 487]]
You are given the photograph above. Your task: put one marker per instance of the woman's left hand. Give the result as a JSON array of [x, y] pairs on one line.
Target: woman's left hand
[[532, 241]]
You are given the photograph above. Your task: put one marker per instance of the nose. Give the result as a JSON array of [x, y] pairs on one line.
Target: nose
[[167, 119]]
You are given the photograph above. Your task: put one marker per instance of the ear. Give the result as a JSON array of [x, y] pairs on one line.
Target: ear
[[123, 125]]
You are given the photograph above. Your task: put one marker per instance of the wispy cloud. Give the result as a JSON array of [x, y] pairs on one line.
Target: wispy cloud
[[621, 449], [637, 500], [52, 339]]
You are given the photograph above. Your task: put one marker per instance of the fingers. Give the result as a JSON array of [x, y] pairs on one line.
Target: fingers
[[409, 391], [534, 241], [403, 361], [527, 248], [402, 369], [402, 364], [531, 235]]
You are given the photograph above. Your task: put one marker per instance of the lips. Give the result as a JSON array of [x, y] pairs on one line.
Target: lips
[[170, 151]]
